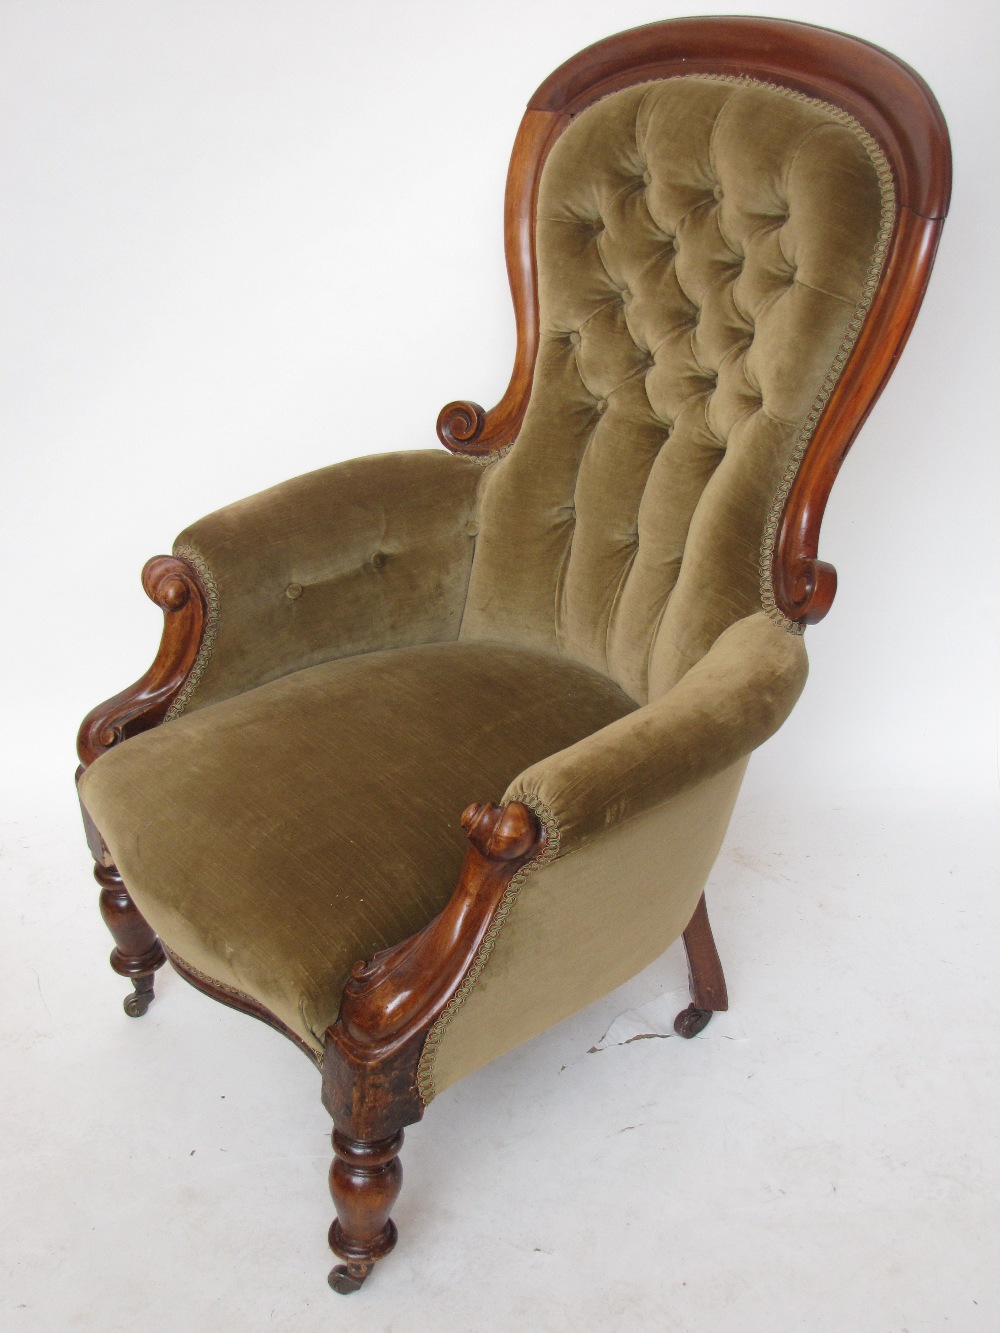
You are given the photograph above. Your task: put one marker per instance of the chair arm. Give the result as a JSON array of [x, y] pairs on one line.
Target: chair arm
[[634, 817], [367, 554], [722, 708]]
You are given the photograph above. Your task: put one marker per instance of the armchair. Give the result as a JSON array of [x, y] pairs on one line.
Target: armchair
[[574, 626]]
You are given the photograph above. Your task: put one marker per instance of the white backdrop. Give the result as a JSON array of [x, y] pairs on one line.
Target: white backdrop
[[243, 240]]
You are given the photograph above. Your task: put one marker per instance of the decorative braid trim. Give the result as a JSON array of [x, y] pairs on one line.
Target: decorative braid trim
[[209, 634], [224, 987], [550, 850], [212, 981], [494, 456], [806, 431]]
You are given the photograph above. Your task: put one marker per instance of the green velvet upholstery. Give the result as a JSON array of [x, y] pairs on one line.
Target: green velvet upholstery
[[703, 247], [368, 554], [598, 631], [725, 706], [275, 838]]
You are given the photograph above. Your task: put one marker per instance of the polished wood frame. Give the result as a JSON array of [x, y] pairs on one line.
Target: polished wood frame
[[888, 98], [391, 1001]]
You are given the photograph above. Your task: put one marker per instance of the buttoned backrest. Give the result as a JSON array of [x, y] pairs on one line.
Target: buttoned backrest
[[707, 248]]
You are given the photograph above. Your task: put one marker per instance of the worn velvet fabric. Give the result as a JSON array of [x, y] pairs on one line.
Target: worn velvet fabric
[[702, 248], [725, 706], [593, 606], [275, 838], [368, 554], [586, 922]]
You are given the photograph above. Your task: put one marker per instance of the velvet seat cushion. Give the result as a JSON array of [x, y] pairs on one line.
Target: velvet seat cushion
[[273, 839]]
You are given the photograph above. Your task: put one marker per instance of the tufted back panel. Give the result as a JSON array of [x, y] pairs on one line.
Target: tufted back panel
[[706, 250]]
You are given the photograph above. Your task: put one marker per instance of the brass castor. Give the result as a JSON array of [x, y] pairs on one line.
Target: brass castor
[[136, 1004], [692, 1020], [344, 1281]]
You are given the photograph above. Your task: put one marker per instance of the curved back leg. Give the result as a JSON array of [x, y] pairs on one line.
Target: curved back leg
[[708, 983]]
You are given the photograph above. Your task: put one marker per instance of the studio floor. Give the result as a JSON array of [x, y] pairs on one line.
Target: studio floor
[[825, 1157]]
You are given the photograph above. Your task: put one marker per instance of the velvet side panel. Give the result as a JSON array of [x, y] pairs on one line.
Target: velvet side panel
[[587, 922]]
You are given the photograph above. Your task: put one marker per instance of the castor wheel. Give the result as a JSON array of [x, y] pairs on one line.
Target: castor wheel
[[692, 1020], [136, 1004], [344, 1282]]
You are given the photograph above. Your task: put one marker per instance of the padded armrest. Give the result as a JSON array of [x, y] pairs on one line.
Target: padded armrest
[[367, 554], [725, 706]]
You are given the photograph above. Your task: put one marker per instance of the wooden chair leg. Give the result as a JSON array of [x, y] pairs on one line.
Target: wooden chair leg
[[708, 984], [365, 1180], [372, 1080], [137, 953]]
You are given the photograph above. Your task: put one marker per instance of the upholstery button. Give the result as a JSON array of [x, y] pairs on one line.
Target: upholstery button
[[646, 178], [293, 590], [472, 528], [378, 560], [601, 404], [626, 296], [717, 192], [574, 338]]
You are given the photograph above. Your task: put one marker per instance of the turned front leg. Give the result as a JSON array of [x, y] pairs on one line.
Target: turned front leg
[[184, 592], [137, 952], [365, 1180], [371, 1060]]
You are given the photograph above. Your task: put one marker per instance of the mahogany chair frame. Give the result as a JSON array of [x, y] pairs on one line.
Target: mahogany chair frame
[[390, 1002]]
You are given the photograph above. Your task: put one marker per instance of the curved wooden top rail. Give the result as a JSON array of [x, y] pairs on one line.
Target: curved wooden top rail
[[889, 98], [885, 95]]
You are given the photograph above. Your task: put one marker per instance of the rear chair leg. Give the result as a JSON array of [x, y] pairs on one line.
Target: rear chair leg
[[708, 984]]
